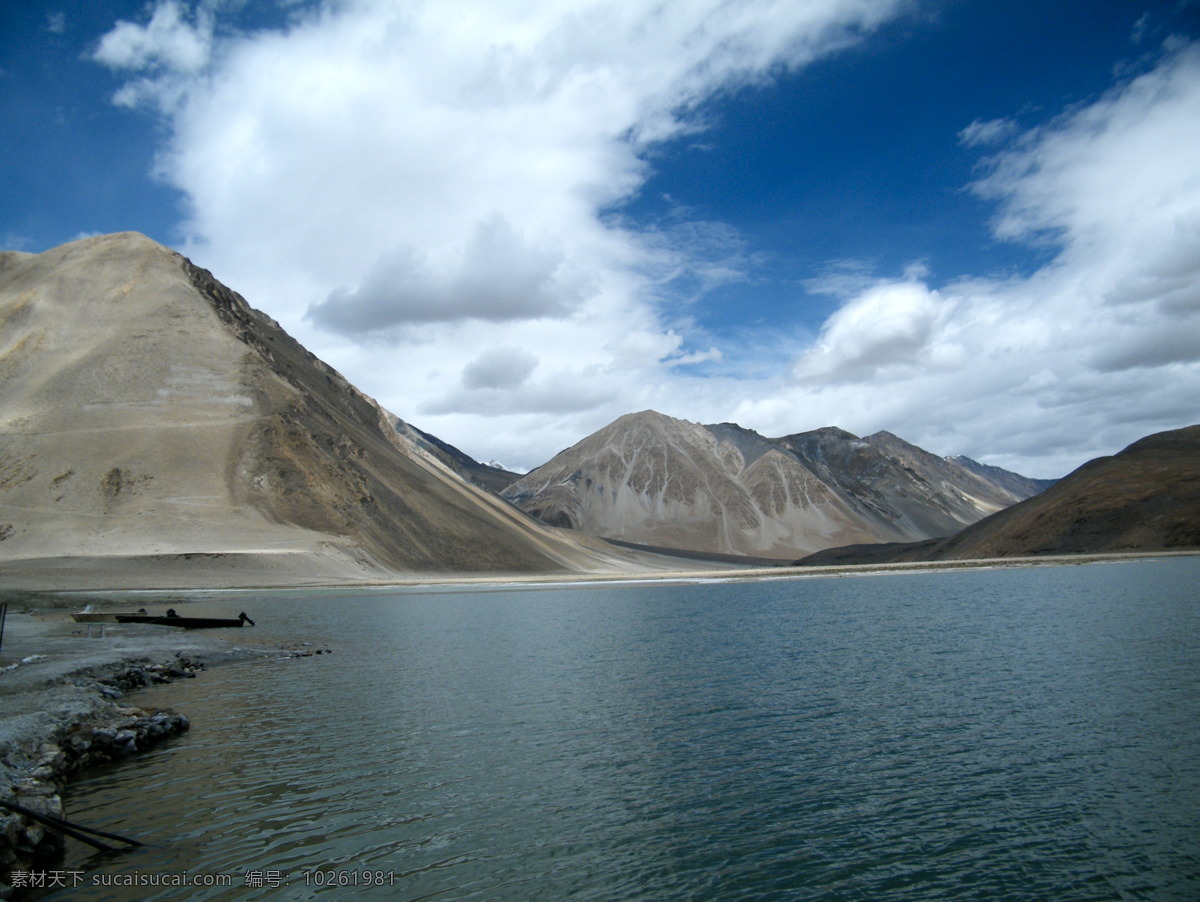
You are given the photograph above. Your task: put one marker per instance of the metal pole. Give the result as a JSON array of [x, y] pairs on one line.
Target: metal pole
[[3, 617]]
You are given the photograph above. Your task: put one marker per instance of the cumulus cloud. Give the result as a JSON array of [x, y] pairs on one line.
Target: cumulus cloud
[[167, 41], [370, 127], [169, 48], [1157, 346], [1088, 353], [390, 177], [496, 276], [424, 195], [502, 382], [889, 326], [499, 368]]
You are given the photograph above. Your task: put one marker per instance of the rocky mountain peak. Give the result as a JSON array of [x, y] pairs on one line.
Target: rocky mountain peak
[[724, 489], [1144, 498]]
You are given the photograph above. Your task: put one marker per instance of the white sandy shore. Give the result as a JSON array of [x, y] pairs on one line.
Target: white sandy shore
[[736, 573], [114, 575]]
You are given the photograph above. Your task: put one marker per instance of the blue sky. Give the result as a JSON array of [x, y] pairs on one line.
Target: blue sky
[[974, 224]]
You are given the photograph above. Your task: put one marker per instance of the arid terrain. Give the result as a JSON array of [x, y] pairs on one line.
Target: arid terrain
[[664, 482], [156, 431], [1145, 498], [153, 422]]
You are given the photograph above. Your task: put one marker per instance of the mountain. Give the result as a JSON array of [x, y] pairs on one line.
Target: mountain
[[149, 416], [490, 476], [654, 480], [1019, 485], [1145, 498]]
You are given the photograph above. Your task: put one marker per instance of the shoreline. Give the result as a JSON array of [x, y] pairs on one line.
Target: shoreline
[[68, 701], [75, 581], [777, 573]]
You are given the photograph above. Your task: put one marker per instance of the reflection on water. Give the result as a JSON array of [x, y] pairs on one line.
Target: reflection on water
[[1010, 734]]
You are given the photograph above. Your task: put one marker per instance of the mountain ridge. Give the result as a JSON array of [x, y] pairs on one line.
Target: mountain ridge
[[1145, 497], [656, 480], [149, 415]]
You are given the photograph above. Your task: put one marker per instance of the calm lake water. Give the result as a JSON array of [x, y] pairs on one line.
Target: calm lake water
[[1023, 734]]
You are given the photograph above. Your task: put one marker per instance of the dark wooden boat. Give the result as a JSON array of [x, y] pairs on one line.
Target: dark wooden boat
[[187, 623]]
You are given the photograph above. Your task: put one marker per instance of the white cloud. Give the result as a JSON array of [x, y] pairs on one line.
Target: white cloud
[[1086, 355], [712, 355], [167, 41], [1112, 181], [497, 276], [422, 194], [993, 131], [499, 368], [169, 49], [886, 327], [404, 186]]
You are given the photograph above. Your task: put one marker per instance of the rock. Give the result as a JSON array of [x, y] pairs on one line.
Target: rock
[[104, 736]]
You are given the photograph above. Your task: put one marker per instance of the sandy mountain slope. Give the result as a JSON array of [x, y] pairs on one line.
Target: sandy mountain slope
[[1145, 498], [655, 480], [147, 412]]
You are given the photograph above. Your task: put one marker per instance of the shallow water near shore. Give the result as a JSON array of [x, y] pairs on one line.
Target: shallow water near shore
[[1019, 734]]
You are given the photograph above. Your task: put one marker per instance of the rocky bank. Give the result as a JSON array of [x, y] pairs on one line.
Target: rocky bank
[[65, 705]]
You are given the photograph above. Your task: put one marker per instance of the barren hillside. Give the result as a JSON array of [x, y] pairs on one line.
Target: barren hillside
[[148, 413]]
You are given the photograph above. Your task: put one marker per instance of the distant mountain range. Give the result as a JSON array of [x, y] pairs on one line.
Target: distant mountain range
[[1145, 498], [653, 480], [151, 421]]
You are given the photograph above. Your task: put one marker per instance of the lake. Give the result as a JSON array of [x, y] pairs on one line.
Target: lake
[[1019, 734]]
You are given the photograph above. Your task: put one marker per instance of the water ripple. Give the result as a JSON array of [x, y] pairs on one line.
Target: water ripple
[[1016, 735]]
